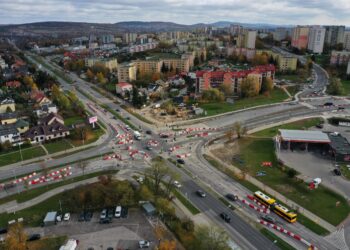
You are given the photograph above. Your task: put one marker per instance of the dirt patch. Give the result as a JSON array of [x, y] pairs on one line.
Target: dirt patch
[[226, 152]]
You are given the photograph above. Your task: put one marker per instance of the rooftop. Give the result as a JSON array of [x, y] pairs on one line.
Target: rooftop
[[304, 136], [340, 144]]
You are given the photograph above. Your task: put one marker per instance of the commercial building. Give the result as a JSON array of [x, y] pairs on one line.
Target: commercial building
[[214, 79], [300, 36], [340, 57], [126, 72], [346, 43], [109, 63], [334, 35], [316, 39], [249, 39]]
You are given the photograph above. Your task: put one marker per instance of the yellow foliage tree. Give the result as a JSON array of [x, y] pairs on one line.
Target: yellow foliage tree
[[16, 238], [167, 245]]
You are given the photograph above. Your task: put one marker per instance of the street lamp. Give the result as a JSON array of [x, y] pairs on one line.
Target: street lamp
[[273, 243]]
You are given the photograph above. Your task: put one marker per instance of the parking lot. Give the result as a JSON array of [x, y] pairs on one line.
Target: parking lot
[[121, 233]]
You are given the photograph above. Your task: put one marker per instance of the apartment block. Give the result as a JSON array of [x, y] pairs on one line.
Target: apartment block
[[316, 39], [285, 62], [340, 57], [126, 72], [300, 36], [346, 43], [147, 66], [129, 37], [249, 39], [334, 35], [109, 63], [281, 33]]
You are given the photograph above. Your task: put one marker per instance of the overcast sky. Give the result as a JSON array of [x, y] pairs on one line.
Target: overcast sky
[[179, 11]]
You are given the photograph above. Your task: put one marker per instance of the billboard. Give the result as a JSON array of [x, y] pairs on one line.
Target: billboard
[[92, 119]]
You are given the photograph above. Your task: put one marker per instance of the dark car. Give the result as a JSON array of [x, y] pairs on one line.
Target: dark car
[[336, 172], [200, 193], [81, 216], [3, 230], [149, 132], [232, 197], [110, 213], [33, 237], [225, 217], [117, 110], [105, 221], [320, 125], [124, 213], [180, 161], [88, 216], [268, 219], [164, 136], [148, 148], [128, 118], [328, 104]]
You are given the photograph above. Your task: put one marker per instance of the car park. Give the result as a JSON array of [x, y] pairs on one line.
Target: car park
[[268, 218], [232, 197], [149, 132], [110, 213], [103, 214], [81, 216], [105, 221], [118, 211], [180, 161], [33, 237], [200, 193], [225, 217], [66, 217], [144, 244]]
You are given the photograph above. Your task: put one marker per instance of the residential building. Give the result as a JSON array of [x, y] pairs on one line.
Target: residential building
[[285, 62], [13, 84], [22, 126], [149, 66], [7, 104], [39, 98], [339, 57], [3, 64], [300, 36], [248, 53], [316, 39], [109, 63], [249, 39], [46, 109], [346, 43], [348, 69], [122, 88], [49, 128], [108, 38], [281, 34], [142, 47], [179, 65], [214, 79], [334, 35], [126, 72], [236, 29], [8, 118], [129, 37], [10, 134]]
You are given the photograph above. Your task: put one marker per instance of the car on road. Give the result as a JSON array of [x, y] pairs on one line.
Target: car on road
[[177, 184], [180, 161], [128, 118], [118, 211], [66, 217], [320, 125], [117, 110], [148, 148], [103, 214], [164, 136], [33, 237], [225, 217], [232, 197], [268, 218], [337, 172], [144, 244], [200, 193], [140, 179], [328, 104]]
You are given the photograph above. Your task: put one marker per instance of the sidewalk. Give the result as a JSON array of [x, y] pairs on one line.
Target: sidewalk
[[277, 195]]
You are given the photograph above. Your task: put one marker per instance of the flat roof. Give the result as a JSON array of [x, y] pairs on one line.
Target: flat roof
[[339, 144], [50, 216], [304, 136]]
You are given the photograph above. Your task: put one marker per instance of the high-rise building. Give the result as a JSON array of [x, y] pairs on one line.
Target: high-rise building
[[346, 43], [316, 39], [281, 33], [108, 38], [249, 39], [334, 35], [236, 29], [300, 36], [126, 72], [130, 37]]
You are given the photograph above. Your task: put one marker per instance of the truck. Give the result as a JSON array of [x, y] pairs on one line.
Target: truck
[[137, 135]]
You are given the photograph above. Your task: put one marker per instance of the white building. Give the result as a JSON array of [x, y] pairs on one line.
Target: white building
[[3, 65], [316, 39], [249, 39], [347, 40], [348, 68], [10, 134]]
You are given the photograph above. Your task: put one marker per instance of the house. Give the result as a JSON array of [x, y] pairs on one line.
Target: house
[[8, 118], [46, 109], [10, 134], [13, 84], [22, 126], [39, 98], [6, 105], [49, 128], [123, 87]]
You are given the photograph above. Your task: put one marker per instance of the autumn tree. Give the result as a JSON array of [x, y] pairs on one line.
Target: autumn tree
[[260, 60], [267, 85], [211, 238], [239, 129], [167, 245], [250, 87], [90, 75], [213, 95], [157, 172], [335, 86], [16, 238], [226, 89], [100, 78]]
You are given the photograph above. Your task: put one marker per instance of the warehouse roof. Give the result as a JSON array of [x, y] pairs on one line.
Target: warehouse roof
[[339, 144], [304, 136]]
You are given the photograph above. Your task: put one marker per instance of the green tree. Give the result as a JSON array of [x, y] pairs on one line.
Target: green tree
[[335, 86], [249, 87], [292, 173], [211, 238], [267, 85]]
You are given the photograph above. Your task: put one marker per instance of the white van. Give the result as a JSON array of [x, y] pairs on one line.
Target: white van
[[118, 212]]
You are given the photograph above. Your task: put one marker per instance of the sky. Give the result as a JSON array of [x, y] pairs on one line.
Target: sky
[[281, 12]]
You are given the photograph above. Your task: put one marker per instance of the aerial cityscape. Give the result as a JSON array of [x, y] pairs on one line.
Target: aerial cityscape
[[174, 125]]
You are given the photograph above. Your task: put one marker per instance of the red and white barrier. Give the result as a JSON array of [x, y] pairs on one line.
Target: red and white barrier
[[153, 143], [260, 210], [202, 134], [181, 156], [291, 234], [172, 149], [252, 198]]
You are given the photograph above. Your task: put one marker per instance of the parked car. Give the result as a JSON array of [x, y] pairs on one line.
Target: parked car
[[232, 197], [180, 161], [33, 237], [3, 230], [140, 179], [66, 217], [88, 216], [59, 218], [117, 110], [105, 221], [124, 213], [149, 132], [337, 172], [320, 125], [268, 218], [118, 212], [144, 244], [225, 217], [103, 214], [81, 216], [177, 184], [200, 193], [110, 213]]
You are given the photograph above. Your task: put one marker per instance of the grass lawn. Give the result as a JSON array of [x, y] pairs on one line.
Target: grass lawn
[[320, 201], [277, 95], [28, 153], [73, 120], [345, 171], [91, 137], [346, 85], [32, 193], [302, 124], [34, 215], [194, 210], [57, 146], [280, 243], [53, 243]]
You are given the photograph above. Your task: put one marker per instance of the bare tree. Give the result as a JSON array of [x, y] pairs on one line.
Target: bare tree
[[16, 238], [239, 129], [157, 172], [82, 165]]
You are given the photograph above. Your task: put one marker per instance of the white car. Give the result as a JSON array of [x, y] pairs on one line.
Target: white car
[[118, 212], [177, 184], [140, 179], [59, 218], [144, 244], [66, 217]]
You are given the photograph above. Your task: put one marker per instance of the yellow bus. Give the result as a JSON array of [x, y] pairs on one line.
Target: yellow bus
[[284, 212], [263, 198]]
